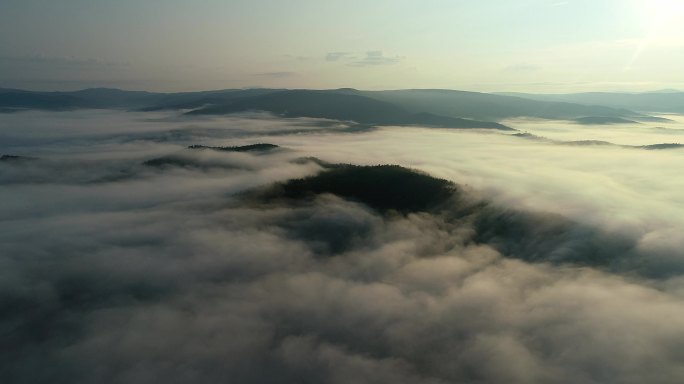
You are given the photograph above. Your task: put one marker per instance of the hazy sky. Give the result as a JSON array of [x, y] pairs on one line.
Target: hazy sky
[[481, 45]]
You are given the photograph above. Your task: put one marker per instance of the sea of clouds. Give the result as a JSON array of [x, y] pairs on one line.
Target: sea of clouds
[[116, 272]]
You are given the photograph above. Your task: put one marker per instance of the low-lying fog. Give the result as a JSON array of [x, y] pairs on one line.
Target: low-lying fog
[[112, 271], [637, 133]]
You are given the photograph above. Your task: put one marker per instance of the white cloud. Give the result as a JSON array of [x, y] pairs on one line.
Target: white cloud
[[167, 276]]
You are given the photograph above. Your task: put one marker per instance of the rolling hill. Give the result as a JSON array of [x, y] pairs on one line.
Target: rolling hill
[[430, 107]]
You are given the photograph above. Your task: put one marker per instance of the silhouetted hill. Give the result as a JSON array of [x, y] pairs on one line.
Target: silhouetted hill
[[428, 119], [669, 101], [596, 120], [172, 161], [600, 143], [531, 236], [305, 103], [339, 106], [663, 146], [419, 106], [485, 106], [103, 98], [384, 187], [16, 99], [188, 162], [586, 143], [194, 100], [108, 98], [260, 147], [15, 158]]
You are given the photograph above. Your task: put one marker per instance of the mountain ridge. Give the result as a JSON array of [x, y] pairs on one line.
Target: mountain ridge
[[441, 107]]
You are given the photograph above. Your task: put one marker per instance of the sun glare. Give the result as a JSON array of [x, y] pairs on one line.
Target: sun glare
[[658, 13], [661, 20]]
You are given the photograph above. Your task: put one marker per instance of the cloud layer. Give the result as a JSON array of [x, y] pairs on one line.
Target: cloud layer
[[170, 275]]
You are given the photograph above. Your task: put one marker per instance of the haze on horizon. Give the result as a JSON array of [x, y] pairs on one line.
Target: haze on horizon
[[542, 46]]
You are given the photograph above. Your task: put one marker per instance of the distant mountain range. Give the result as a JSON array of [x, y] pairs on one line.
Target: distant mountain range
[[339, 106], [425, 107], [663, 101], [491, 106]]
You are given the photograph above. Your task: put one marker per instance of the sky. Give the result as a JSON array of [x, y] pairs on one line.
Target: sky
[[542, 46]]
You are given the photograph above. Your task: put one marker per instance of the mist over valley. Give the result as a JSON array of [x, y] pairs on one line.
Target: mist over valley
[[281, 249]]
